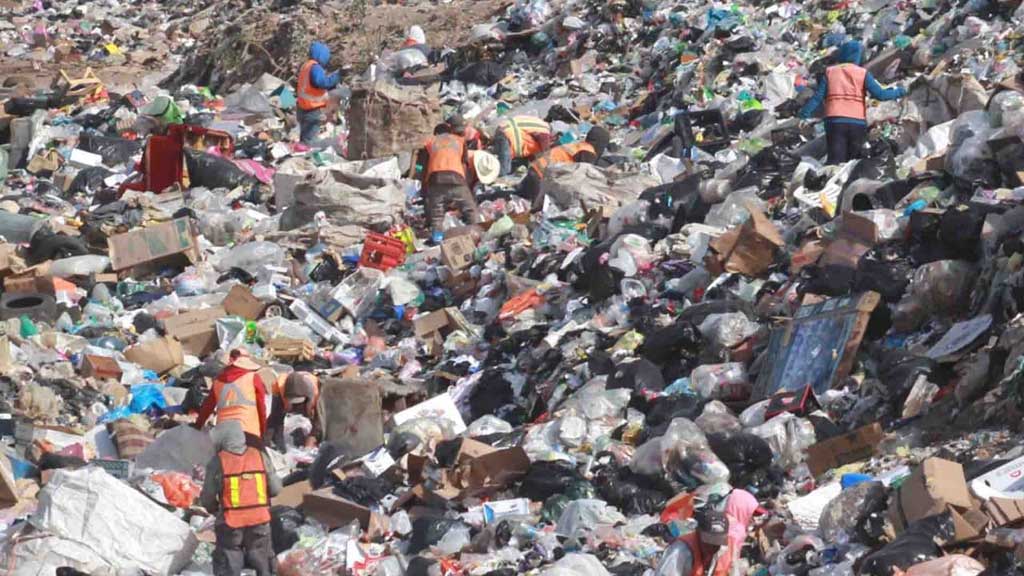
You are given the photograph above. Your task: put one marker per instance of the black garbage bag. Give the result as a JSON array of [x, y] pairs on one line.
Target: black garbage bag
[[745, 454], [89, 180], [884, 269], [829, 280], [115, 151], [899, 370], [285, 522], [638, 375], [429, 531], [53, 461], [599, 279], [364, 490], [481, 73], [420, 566], [492, 392], [665, 344], [211, 171], [919, 543], [632, 493], [960, 231], [545, 479], [665, 408]]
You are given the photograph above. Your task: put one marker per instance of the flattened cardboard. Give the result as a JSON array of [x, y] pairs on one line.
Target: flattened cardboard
[[292, 494], [333, 511], [857, 235], [196, 330], [241, 302], [934, 487], [152, 243], [160, 355], [750, 248], [432, 328], [457, 252], [850, 447]]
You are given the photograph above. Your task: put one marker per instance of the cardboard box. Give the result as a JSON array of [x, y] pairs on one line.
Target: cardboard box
[[432, 328], [333, 511], [197, 330], [1004, 511], [457, 252], [153, 243], [102, 367], [481, 467], [241, 302], [850, 447], [748, 249], [29, 282], [934, 487], [160, 355]]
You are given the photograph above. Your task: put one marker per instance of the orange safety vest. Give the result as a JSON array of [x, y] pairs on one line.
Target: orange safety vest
[[845, 97], [244, 492], [279, 387], [237, 401], [309, 97], [446, 154], [692, 541], [564, 154], [520, 130]]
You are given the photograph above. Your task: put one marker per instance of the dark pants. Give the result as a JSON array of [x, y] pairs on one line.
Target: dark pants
[[239, 548], [529, 188], [440, 192], [845, 141], [309, 124], [503, 150]]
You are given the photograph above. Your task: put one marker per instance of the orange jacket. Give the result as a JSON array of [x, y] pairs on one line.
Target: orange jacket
[[309, 97], [565, 154], [244, 495], [446, 153], [237, 400], [846, 92], [700, 563]]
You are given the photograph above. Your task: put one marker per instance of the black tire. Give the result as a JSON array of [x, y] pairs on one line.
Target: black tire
[[39, 307], [54, 247]]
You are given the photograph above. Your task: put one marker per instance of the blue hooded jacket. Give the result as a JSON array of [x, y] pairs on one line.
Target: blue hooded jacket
[[319, 77], [850, 52]]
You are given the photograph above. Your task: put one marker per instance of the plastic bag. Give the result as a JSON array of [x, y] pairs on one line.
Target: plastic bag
[[324, 556], [733, 211], [919, 543], [952, 565], [727, 330], [251, 257], [717, 417], [115, 151], [179, 489], [546, 479], [745, 454], [146, 397], [721, 381], [788, 436], [582, 516], [840, 518], [210, 171]]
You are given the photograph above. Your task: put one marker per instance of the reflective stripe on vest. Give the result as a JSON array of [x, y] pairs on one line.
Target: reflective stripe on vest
[[722, 563], [446, 153], [309, 97], [565, 154], [244, 493], [237, 401], [519, 132], [845, 97]]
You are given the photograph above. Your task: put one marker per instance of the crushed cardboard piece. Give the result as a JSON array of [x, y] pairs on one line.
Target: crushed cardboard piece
[[333, 511], [196, 330], [241, 302], [844, 449], [152, 243], [160, 355]]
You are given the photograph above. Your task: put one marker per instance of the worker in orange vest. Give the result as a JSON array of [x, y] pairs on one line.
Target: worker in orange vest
[[844, 91], [295, 393], [704, 552], [445, 161], [238, 394], [238, 485], [588, 151], [521, 138], [311, 92]]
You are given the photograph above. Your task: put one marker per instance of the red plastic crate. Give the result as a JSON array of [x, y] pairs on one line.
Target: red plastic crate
[[382, 252]]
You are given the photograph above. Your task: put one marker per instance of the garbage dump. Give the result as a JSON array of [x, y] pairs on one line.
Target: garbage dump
[[553, 287]]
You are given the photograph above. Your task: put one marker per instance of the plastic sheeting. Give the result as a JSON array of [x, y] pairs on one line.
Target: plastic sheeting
[[114, 521]]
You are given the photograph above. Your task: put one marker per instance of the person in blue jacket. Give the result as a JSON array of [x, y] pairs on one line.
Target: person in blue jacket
[[311, 93], [843, 90]]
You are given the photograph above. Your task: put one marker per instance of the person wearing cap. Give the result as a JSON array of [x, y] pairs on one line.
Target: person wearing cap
[[311, 92], [295, 393], [704, 552], [445, 162], [843, 90], [238, 486], [238, 394], [417, 39], [521, 138], [588, 151]]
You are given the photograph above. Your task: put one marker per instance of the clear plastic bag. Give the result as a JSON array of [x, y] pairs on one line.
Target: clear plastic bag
[[721, 381], [324, 556], [487, 425], [733, 211], [788, 436], [728, 330], [251, 257], [717, 417]]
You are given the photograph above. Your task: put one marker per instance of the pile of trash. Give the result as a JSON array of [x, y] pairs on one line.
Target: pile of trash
[[710, 350]]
